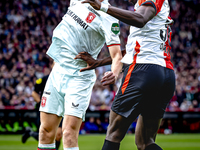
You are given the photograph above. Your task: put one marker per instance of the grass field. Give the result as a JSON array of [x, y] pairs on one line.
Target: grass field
[[94, 142]]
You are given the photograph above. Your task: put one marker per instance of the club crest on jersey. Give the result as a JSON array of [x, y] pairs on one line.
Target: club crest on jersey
[[90, 17], [115, 28], [43, 102]]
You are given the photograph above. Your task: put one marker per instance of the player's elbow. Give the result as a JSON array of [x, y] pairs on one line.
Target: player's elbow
[[142, 23], [138, 21]]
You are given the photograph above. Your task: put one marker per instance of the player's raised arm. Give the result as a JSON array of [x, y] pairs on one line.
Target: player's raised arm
[[137, 18]]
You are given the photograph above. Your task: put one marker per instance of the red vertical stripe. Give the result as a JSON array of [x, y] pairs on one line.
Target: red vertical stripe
[[159, 4], [131, 67], [170, 37], [167, 53], [168, 61]]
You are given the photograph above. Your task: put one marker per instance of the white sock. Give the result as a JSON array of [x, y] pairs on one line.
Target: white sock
[[72, 148], [49, 146]]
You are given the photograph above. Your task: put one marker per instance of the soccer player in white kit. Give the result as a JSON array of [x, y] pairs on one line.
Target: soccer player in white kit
[[68, 91], [148, 82]]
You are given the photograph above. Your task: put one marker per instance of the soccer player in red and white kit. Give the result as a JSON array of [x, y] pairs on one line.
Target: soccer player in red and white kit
[[149, 81]]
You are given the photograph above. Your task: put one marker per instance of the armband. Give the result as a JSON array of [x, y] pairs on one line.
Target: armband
[[104, 7]]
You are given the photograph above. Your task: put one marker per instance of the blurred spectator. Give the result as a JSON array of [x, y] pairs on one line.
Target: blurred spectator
[[90, 126], [100, 126]]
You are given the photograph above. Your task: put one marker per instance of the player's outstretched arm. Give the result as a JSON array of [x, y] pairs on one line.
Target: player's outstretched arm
[[92, 63], [137, 18]]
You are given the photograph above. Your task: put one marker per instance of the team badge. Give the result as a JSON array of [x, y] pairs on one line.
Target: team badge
[[43, 102], [90, 17], [115, 28]]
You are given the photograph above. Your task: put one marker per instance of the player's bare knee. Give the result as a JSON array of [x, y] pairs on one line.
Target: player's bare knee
[[69, 134], [115, 133], [46, 134], [114, 136]]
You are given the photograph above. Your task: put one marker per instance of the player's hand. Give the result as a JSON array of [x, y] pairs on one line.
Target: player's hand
[[91, 62], [96, 4], [108, 78]]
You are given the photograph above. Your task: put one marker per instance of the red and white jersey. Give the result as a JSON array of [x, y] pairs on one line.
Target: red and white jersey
[[150, 44]]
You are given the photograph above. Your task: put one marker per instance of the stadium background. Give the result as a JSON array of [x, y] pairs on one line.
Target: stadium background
[[25, 34]]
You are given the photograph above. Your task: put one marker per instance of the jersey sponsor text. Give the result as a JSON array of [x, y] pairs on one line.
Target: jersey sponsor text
[[77, 19]]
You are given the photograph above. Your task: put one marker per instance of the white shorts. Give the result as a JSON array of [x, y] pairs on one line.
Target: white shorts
[[66, 94]]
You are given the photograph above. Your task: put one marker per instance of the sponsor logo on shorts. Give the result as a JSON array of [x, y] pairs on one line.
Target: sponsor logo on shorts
[[48, 93], [43, 102], [74, 106], [90, 17]]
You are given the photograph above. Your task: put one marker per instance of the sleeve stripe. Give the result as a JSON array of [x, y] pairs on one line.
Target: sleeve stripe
[[150, 3], [112, 45]]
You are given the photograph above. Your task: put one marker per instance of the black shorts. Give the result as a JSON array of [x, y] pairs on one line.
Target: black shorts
[[146, 89]]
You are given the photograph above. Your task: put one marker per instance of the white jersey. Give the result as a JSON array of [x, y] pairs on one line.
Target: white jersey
[[83, 29], [150, 44]]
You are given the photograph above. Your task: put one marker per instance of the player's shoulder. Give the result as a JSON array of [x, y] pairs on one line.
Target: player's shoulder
[[107, 17], [109, 21]]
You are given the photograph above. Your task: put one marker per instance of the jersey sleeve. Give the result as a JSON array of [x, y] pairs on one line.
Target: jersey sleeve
[[157, 4], [111, 31], [38, 85]]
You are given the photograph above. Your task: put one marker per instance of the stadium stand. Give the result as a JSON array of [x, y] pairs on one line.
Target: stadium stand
[[25, 35]]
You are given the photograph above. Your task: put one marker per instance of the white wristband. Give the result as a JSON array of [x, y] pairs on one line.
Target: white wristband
[[104, 7]]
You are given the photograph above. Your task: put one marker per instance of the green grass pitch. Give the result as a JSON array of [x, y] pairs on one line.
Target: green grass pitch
[[94, 142]]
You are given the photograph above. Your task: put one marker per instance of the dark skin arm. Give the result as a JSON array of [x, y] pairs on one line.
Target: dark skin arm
[[137, 18], [92, 63]]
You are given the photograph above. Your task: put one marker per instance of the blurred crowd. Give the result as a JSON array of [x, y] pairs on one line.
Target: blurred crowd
[[25, 34]]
